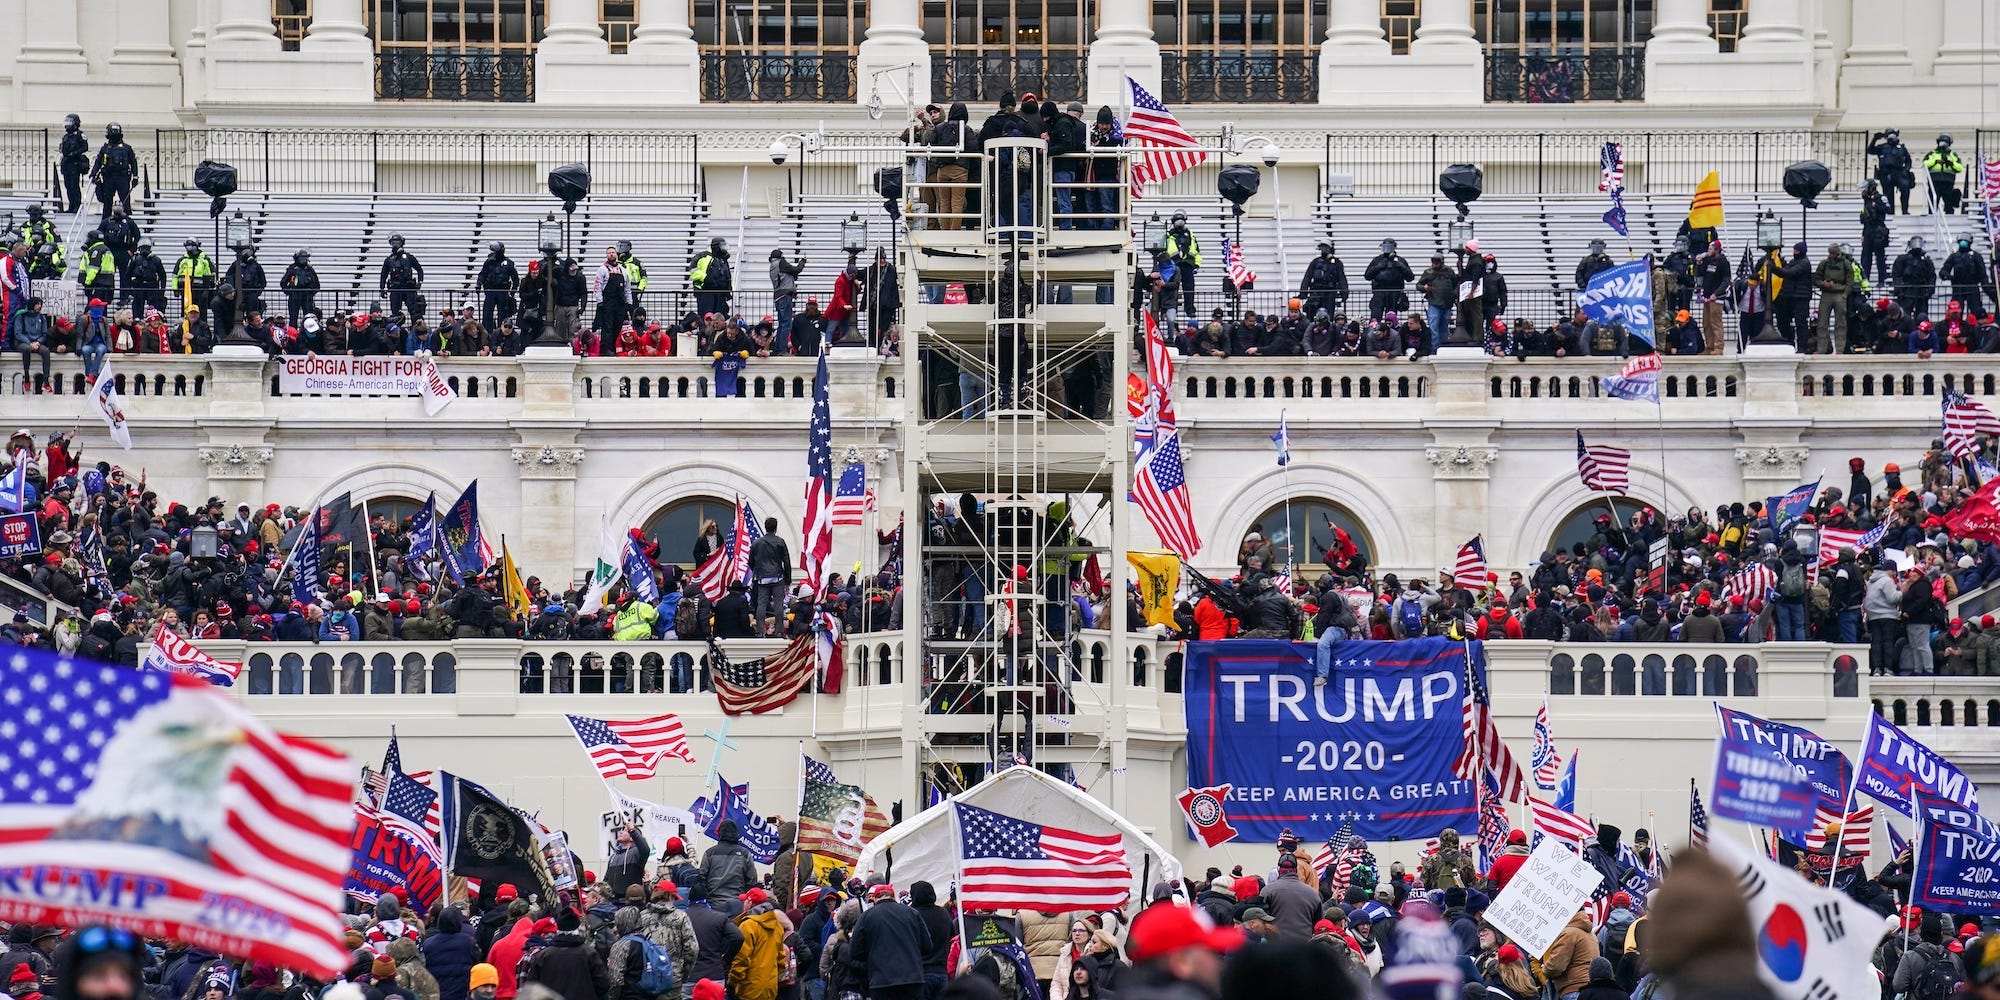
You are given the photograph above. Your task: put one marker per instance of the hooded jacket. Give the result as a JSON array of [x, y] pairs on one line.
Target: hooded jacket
[[569, 966], [505, 956], [1567, 962], [449, 954], [760, 963], [728, 867], [670, 927], [717, 940], [889, 945], [1295, 904]]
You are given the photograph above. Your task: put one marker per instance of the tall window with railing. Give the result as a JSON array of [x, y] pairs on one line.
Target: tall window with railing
[[1563, 51], [779, 50], [982, 48], [1239, 51], [455, 50]]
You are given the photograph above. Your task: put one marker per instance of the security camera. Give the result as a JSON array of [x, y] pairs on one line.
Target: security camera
[[1270, 154], [779, 151]]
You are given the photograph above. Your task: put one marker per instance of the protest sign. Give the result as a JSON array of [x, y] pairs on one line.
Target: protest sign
[[1543, 896], [655, 821], [561, 863], [345, 376], [20, 535]]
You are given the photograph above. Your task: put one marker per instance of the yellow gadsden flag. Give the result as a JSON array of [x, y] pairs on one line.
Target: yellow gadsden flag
[[1705, 211], [510, 582], [1158, 575]]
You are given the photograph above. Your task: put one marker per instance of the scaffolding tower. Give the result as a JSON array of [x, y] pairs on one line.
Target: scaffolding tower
[[1017, 292]]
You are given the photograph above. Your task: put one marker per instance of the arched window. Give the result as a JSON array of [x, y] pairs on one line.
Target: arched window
[[397, 509], [677, 526], [1581, 523], [1298, 531]]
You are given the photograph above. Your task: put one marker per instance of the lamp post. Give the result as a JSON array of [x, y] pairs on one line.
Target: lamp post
[[1153, 236], [202, 541], [549, 239], [1770, 239]]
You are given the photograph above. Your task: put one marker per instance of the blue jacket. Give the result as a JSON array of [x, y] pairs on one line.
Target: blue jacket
[[449, 954], [670, 602], [27, 327], [345, 619]]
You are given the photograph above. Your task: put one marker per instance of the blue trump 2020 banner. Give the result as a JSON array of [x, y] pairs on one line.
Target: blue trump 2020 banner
[[1958, 858], [1375, 745], [1624, 295], [1893, 766], [1757, 786], [1820, 762]]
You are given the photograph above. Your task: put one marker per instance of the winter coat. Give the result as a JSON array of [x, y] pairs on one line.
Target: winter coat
[[569, 966], [450, 953], [1508, 865], [1567, 962], [669, 927], [627, 867], [505, 957], [1883, 599], [1295, 904], [769, 557], [717, 939], [1044, 936], [760, 963], [889, 945], [1701, 626]]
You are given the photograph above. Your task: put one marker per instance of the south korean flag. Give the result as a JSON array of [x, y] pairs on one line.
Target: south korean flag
[[1812, 943]]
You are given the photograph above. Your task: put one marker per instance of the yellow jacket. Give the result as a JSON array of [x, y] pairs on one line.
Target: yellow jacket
[[760, 963], [634, 622]]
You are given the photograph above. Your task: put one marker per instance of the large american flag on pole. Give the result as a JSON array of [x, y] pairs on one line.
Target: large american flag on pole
[[1010, 863], [631, 749], [1567, 827], [1602, 467], [1160, 488], [1483, 745], [729, 561], [1964, 421], [817, 527], [153, 801], [1470, 568], [1154, 131]]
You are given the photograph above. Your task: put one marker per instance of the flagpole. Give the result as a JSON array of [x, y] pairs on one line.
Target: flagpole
[[801, 819], [958, 863], [1285, 446]]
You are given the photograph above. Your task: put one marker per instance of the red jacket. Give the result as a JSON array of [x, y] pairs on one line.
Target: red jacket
[[505, 957], [1498, 625], [1508, 864], [1210, 622]]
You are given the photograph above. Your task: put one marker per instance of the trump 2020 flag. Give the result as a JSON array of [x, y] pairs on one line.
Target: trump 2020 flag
[[639, 572], [154, 802], [1893, 764], [1787, 510], [423, 536], [1958, 858], [1812, 943], [732, 802], [172, 654], [465, 549], [1622, 295]]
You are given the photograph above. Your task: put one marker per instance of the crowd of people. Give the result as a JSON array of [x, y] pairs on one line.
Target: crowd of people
[[1329, 923]]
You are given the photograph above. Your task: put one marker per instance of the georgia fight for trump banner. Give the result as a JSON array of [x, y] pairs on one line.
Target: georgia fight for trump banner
[[1374, 746]]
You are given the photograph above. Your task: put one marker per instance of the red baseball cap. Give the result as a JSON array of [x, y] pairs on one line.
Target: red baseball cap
[[1167, 928], [755, 897], [506, 892]]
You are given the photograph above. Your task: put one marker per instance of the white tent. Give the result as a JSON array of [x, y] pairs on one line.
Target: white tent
[[922, 846]]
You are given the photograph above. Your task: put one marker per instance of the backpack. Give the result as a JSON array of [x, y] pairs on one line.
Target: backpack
[[1412, 613], [687, 618], [689, 880], [1792, 581], [656, 975], [1940, 980], [602, 937]]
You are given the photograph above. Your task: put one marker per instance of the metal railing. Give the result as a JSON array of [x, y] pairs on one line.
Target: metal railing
[[1566, 77], [1560, 162], [1251, 76], [429, 75], [983, 77], [425, 161], [805, 77]]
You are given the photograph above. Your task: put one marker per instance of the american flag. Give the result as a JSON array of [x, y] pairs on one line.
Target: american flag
[[407, 805], [1160, 375], [163, 776], [1010, 863], [1543, 756], [1493, 825], [818, 524], [1989, 179], [1872, 538], [730, 560], [1697, 818], [1160, 487], [1611, 161], [1470, 569], [1153, 130], [817, 770], [1240, 274], [173, 654], [1283, 441], [1567, 827], [1603, 467], [1964, 420], [852, 499], [829, 655], [1336, 845], [631, 749], [754, 687], [1832, 540], [1752, 583], [1853, 833], [1482, 739]]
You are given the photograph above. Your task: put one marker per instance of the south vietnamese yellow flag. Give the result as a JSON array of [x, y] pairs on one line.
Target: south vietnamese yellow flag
[[1158, 575], [1705, 211], [510, 581]]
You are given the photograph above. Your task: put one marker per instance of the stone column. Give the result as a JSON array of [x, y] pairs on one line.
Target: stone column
[[572, 24], [1446, 64], [1773, 23], [1771, 468], [1123, 46], [338, 54], [1971, 28], [1445, 22], [143, 37], [1460, 480], [663, 44], [235, 471], [548, 482], [337, 25], [246, 24], [50, 64], [1356, 25], [895, 38], [1682, 25], [1881, 39]]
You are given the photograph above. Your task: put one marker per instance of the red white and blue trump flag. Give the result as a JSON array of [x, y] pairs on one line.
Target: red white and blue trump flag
[[154, 802]]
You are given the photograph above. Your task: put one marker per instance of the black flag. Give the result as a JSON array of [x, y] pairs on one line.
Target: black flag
[[489, 841]]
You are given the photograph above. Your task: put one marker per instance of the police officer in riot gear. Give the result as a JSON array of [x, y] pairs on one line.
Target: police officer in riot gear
[[249, 280], [402, 274], [1186, 253], [75, 152], [498, 281], [1389, 276], [1893, 165], [1944, 166], [46, 258], [1594, 261], [300, 284], [122, 235], [113, 172], [146, 280], [98, 271], [635, 272], [196, 273], [1325, 284]]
